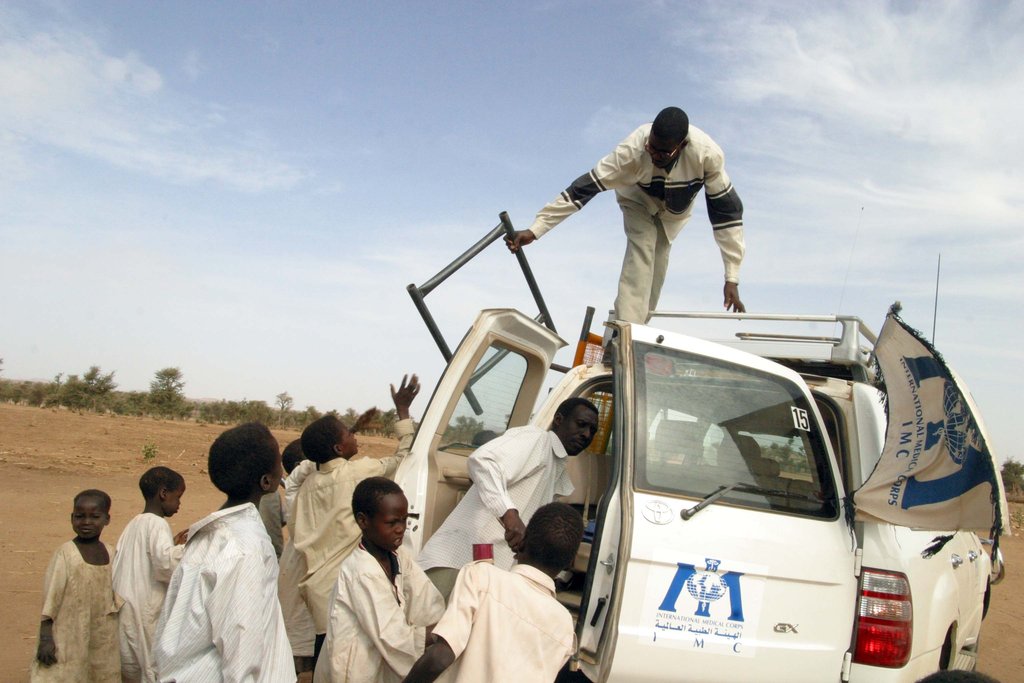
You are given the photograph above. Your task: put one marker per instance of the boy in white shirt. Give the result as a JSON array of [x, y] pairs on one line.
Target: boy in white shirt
[[382, 600], [507, 627], [145, 559], [221, 619]]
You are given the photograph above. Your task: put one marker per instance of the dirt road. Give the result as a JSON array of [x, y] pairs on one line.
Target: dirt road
[[46, 456]]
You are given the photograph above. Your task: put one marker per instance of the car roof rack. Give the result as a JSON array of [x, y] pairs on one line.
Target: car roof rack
[[852, 346]]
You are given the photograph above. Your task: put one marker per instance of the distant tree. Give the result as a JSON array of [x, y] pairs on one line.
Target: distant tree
[[387, 421], [284, 402], [349, 418], [98, 387], [73, 393], [1013, 476], [130, 403], [310, 414], [256, 411], [167, 392], [462, 430]]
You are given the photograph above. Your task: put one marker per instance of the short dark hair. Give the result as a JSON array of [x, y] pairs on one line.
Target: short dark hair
[[671, 124], [553, 535], [369, 492], [320, 437], [157, 478], [292, 455], [95, 494], [240, 456], [566, 407]]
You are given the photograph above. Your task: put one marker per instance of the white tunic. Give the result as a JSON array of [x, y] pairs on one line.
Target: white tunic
[[524, 468], [146, 558], [376, 628], [221, 619]]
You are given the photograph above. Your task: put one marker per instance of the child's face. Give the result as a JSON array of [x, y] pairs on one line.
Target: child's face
[[89, 518], [386, 528], [170, 501], [347, 445]]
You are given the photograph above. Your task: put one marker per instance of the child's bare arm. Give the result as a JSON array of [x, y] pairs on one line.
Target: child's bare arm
[[432, 664], [46, 653]]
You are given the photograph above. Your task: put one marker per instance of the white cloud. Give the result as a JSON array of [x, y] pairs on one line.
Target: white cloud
[[192, 65], [60, 88]]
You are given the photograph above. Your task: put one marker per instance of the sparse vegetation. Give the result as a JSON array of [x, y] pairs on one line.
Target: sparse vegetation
[[1012, 473], [149, 450], [96, 391]]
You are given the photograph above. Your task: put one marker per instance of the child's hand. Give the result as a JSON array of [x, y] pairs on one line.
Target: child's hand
[[404, 395], [181, 537], [46, 653]]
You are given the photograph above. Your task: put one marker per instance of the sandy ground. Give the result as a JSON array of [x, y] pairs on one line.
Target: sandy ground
[[46, 456]]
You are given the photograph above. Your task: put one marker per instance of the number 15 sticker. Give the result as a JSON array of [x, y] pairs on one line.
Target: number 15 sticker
[[800, 419]]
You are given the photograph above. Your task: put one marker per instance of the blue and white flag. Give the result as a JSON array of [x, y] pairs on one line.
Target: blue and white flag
[[936, 471]]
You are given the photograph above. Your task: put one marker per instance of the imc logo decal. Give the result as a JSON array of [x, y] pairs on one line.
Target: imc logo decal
[[705, 586]]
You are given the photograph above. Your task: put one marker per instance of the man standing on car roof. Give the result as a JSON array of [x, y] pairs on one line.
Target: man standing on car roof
[[656, 173], [513, 475]]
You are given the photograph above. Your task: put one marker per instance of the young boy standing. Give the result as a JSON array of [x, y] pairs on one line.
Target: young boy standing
[[146, 558], [78, 630], [507, 626], [324, 528], [382, 600], [221, 619]]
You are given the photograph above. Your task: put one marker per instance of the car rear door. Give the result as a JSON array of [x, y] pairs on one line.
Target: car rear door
[[491, 384], [729, 559]]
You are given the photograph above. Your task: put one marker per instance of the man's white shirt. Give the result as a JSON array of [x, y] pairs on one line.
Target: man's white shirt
[[522, 469]]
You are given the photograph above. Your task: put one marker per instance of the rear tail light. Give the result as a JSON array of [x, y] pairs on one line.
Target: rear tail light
[[885, 619]]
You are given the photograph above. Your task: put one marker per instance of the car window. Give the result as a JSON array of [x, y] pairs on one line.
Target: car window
[[709, 424], [485, 407]]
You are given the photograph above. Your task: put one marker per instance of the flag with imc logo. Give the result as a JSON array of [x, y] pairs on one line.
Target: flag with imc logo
[[936, 471]]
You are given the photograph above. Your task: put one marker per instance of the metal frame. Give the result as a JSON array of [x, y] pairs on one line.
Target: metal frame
[[502, 229], [419, 294]]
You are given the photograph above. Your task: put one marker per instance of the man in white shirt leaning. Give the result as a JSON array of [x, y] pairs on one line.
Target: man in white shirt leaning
[[513, 475]]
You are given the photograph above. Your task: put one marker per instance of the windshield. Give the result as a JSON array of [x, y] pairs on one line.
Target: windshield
[[706, 424]]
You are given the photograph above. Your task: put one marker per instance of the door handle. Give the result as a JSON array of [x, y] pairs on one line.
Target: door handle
[[956, 560]]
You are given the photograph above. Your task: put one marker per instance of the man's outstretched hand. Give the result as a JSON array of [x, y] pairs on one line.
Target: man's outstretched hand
[[519, 239], [731, 291], [404, 395]]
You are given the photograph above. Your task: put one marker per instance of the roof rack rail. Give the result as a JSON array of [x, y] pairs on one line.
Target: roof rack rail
[[848, 348]]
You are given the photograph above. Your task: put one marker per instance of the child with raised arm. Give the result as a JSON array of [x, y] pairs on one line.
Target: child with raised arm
[[321, 519], [78, 630], [506, 626], [382, 600], [145, 559], [221, 619]]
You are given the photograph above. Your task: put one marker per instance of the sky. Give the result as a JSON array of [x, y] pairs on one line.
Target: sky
[[243, 190]]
